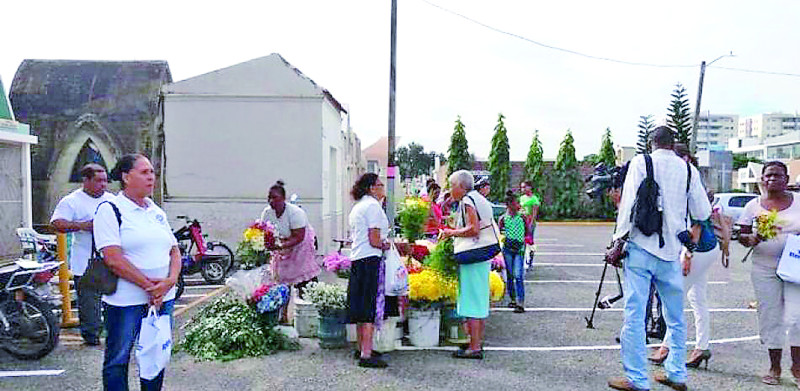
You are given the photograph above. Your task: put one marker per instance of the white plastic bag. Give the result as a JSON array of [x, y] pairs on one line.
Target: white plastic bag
[[789, 264], [396, 278], [245, 282], [154, 347]]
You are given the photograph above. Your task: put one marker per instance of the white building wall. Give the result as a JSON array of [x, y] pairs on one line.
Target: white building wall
[[224, 152], [332, 175]]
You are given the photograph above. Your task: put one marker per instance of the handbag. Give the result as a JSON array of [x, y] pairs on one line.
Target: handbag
[[98, 277], [479, 249], [154, 346], [789, 264], [396, 279]]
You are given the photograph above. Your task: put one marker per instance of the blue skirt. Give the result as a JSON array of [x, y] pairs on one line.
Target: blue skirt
[[473, 290]]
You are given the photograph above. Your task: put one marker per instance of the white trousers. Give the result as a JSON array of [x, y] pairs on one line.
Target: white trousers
[[778, 308], [695, 289]]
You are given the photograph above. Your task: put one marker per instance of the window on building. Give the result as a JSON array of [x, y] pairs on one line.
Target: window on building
[[89, 154], [373, 167]]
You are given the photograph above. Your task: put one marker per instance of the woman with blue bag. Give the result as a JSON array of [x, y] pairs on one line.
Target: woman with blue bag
[[475, 244]]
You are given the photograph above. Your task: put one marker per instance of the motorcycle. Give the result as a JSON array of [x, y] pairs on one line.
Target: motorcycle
[[212, 259], [29, 329]]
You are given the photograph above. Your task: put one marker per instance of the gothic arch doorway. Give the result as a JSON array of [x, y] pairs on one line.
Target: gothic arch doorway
[[89, 153]]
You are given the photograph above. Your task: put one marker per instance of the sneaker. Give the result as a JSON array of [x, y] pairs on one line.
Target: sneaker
[[519, 309], [372, 362], [357, 354], [512, 304]]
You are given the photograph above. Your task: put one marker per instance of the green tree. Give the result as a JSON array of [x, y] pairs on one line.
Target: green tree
[[534, 164], [591, 158], [678, 117], [607, 154], [568, 183], [413, 161], [459, 157], [740, 161], [499, 162], [645, 127]]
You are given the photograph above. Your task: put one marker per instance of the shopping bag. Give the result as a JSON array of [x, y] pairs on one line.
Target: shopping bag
[[789, 264], [154, 347], [396, 279]]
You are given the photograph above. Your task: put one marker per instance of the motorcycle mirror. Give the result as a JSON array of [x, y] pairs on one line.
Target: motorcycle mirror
[[293, 199]]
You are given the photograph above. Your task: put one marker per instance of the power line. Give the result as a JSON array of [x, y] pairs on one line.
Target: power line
[[495, 29], [544, 45], [757, 71]]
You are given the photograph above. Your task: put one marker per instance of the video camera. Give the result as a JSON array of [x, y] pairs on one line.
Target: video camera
[[605, 178]]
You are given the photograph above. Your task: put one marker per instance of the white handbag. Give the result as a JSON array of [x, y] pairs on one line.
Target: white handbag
[[789, 264], [476, 249]]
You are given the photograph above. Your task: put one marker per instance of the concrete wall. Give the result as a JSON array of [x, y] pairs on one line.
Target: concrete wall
[[223, 153]]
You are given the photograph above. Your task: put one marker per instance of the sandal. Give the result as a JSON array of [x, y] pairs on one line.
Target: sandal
[[466, 354], [771, 380]]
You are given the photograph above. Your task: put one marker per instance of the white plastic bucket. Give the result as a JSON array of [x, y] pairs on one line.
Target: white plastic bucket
[[306, 320], [384, 338], [423, 327]]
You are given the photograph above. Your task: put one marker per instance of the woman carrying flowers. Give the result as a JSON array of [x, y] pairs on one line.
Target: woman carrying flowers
[[513, 225], [777, 215], [369, 229], [295, 262]]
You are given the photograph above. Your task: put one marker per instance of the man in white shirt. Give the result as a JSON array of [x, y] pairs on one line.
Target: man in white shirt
[[648, 261], [75, 213]]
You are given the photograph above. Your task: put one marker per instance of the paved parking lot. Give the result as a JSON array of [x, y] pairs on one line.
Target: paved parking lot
[[548, 347]]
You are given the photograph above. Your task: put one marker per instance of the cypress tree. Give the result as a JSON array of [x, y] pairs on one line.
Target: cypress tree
[[499, 163], [645, 127], [459, 157], [678, 117]]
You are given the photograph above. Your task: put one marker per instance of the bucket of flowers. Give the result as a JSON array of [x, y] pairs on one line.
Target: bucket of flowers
[[338, 263], [268, 300], [331, 303], [412, 215], [428, 290], [252, 251]]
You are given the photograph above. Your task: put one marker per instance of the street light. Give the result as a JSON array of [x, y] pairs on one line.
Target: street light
[[693, 144]]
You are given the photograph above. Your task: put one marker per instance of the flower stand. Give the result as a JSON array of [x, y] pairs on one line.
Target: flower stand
[[423, 327], [331, 332]]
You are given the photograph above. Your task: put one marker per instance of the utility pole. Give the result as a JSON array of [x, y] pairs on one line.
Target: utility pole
[[693, 144], [391, 169]]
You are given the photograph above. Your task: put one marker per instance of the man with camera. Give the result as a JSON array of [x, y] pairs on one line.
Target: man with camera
[[658, 192]]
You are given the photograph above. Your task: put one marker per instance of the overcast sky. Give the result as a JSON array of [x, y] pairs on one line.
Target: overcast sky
[[448, 66]]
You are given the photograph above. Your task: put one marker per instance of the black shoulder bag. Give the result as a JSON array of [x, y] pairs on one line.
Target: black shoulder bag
[[98, 277]]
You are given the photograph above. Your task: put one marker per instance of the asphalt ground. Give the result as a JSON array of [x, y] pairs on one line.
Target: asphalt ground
[[548, 347]]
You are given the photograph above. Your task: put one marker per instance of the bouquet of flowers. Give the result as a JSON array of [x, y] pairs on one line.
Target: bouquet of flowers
[[442, 258], [413, 214], [269, 297], [253, 251], [329, 299], [429, 288], [338, 263], [497, 287], [766, 227]]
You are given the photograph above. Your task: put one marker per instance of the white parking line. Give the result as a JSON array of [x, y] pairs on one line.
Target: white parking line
[[562, 254], [571, 348], [202, 286], [595, 282], [565, 309], [558, 245], [46, 372], [540, 264]]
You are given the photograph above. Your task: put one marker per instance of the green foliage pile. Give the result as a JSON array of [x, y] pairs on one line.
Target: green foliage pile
[[442, 258], [229, 329]]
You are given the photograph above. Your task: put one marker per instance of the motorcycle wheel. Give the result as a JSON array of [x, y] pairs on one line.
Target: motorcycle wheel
[[181, 285], [213, 271], [34, 328], [219, 248]]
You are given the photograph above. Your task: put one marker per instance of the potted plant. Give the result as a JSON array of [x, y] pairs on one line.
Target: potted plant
[[428, 291], [338, 263], [411, 216], [331, 303]]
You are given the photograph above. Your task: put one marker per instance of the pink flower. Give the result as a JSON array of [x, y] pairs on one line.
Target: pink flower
[[334, 262]]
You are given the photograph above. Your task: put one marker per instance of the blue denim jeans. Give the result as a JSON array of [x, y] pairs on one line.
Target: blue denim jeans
[[642, 268], [123, 325], [515, 274]]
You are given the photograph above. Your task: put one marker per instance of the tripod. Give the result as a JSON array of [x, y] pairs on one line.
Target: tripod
[[607, 302]]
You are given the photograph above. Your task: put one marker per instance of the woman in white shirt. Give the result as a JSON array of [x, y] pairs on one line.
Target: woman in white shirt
[[143, 252], [295, 257], [474, 214], [369, 229]]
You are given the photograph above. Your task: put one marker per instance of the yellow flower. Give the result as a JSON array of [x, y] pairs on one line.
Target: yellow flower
[[425, 286], [766, 225], [497, 287]]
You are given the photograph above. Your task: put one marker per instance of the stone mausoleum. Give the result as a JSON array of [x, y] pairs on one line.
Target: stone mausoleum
[[87, 111]]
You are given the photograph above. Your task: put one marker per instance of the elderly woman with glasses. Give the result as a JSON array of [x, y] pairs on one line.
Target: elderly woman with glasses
[[474, 214]]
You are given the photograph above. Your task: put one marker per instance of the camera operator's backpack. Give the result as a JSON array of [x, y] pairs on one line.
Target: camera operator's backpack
[[646, 215]]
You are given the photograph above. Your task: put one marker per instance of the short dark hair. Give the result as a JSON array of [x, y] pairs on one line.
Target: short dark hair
[[362, 185], [682, 150], [775, 163], [433, 187], [279, 187], [124, 165], [663, 137], [511, 197], [88, 171]]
